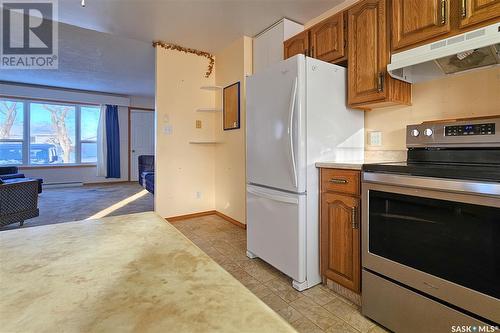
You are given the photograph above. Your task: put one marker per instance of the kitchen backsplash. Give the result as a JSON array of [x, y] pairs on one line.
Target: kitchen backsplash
[[467, 95]]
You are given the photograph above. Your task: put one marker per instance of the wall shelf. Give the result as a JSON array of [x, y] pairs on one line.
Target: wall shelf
[[208, 110], [217, 88]]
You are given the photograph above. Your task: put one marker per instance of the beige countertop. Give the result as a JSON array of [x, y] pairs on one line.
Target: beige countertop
[[131, 273], [350, 165]]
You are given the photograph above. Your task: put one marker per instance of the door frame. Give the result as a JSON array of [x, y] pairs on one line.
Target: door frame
[[130, 108]]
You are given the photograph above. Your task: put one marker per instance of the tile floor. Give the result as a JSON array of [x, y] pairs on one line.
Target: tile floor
[[314, 310]]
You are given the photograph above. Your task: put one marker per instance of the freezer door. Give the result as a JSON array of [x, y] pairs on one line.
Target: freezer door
[[276, 126], [276, 229]]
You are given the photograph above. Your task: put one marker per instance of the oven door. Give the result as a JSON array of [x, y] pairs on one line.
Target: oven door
[[437, 236]]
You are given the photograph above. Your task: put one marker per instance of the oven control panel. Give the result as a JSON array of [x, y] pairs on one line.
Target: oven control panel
[[455, 133], [476, 129]]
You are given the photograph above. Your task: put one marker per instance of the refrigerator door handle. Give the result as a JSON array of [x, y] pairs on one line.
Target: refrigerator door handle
[[290, 131], [274, 197]]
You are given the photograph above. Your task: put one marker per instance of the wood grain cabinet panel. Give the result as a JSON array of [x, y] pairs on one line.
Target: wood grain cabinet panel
[[415, 21], [340, 240], [340, 180], [478, 11], [328, 39], [298, 44], [369, 84]]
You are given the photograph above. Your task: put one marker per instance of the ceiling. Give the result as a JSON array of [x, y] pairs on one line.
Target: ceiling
[[95, 61], [106, 46], [208, 25]]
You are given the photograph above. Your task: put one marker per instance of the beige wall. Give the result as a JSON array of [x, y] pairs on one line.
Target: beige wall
[[466, 95], [232, 64], [183, 169]]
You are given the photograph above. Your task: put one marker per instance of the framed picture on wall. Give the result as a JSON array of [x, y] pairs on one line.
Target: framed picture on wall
[[231, 107]]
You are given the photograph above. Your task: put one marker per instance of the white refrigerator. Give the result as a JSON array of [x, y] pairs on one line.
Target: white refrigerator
[[296, 115]]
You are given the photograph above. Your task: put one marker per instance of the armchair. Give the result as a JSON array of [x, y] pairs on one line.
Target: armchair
[[147, 172], [18, 201], [11, 174]]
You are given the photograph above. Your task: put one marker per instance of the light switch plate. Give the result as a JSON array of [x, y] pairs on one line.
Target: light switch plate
[[375, 138], [198, 123]]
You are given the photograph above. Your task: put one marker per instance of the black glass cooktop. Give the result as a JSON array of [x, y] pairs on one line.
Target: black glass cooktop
[[463, 164]]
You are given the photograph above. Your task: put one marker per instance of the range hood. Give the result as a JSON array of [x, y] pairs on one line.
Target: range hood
[[471, 50]]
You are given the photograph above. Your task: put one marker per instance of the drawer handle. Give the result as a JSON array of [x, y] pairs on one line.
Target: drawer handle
[[338, 181]]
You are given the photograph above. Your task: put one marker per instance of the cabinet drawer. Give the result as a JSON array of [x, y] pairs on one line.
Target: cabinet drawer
[[338, 180]]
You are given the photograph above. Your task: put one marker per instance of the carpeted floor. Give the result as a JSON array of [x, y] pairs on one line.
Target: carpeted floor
[[65, 204]]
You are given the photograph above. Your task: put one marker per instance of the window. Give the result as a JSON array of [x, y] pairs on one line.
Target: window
[[11, 132], [39, 133], [88, 140]]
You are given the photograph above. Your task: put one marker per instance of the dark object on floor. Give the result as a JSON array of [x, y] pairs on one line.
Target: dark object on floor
[[11, 174], [18, 200], [149, 180], [147, 172]]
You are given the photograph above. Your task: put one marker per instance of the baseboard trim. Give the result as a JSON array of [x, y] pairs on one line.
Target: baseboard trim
[[189, 216], [179, 218], [231, 220], [110, 182]]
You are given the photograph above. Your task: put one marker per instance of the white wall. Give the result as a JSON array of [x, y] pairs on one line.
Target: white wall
[[183, 169], [231, 65], [73, 174], [142, 102]]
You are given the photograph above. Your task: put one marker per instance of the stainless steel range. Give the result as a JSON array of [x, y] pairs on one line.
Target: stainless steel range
[[431, 231]]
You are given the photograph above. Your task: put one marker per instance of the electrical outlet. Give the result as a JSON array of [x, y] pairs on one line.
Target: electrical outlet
[[198, 195], [375, 138], [198, 123]]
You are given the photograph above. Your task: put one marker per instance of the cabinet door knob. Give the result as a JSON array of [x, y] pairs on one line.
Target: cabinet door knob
[[355, 224], [338, 181], [464, 8]]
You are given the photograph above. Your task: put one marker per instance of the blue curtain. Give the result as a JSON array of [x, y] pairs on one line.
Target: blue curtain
[[112, 142]]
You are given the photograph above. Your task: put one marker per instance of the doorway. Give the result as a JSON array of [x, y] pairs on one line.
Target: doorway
[[142, 137]]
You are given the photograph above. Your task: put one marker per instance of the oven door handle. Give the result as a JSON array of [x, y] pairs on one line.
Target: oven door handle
[[440, 184]]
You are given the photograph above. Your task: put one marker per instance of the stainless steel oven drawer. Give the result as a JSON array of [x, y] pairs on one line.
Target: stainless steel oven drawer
[[404, 311]]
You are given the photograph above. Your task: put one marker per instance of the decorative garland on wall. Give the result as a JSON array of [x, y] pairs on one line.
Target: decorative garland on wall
[[170, 46]]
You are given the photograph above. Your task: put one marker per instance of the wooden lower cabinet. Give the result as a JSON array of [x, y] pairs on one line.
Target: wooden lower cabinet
[[340, 246]]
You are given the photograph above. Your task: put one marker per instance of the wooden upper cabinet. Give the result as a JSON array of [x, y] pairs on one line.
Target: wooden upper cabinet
[[328, 39], [369, 84], [367, 51], [340, 240], [478, 11], [298, 44], [415, 21]]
